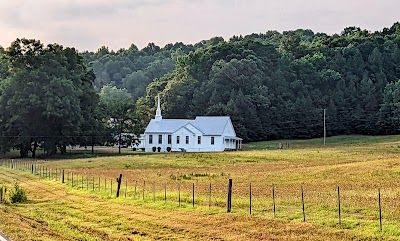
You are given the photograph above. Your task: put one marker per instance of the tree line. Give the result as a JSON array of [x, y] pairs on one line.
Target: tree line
[[276, 85], [273, 85]]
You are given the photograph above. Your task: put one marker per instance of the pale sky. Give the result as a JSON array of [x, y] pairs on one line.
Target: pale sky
[[89, 24]]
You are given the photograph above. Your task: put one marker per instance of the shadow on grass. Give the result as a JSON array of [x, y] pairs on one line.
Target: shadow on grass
[[76, 154]]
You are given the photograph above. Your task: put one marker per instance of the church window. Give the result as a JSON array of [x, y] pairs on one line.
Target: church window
[[150, 139], [199, 140], [178, 139], [159, 139], [187, 140], [169, 139], [212, 140]]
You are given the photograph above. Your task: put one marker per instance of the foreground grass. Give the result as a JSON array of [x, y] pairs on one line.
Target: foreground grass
[[55, 212], [359, 165]]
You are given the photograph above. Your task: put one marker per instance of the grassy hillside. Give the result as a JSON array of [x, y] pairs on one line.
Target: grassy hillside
[[359, 165], [318, 142]]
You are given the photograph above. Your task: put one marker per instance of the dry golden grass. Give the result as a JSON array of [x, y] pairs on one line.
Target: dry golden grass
[[59, 213], [359, 165]]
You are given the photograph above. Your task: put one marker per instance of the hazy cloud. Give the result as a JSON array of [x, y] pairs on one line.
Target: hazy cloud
[[118, 23]]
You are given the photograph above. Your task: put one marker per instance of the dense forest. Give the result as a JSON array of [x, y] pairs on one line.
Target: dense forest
[[273, 85], [133, 69], [276, 85]]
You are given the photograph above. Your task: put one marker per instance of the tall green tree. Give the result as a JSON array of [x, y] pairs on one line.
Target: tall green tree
[[390, 109], [116, 109], [42, 99]]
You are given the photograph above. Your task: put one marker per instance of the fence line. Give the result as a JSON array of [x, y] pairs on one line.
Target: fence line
[[72, 179]]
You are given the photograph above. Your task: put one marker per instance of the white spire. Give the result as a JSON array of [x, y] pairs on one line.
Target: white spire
[[158, 112]]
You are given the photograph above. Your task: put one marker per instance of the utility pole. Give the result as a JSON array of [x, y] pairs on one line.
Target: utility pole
[[120, 138], [92, 144], [324, 127]]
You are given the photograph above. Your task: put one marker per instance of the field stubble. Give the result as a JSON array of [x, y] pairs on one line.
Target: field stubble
[[359, 168]]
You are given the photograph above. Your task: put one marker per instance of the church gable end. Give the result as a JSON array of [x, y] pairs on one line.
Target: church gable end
[[203, 134]]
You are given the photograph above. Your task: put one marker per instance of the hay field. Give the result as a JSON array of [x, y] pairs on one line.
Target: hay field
[[359, 165]]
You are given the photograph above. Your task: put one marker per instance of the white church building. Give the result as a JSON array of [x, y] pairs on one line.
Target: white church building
[[203, 134]]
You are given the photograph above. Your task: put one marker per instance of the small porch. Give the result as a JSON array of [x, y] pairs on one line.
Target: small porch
[[233, 143]]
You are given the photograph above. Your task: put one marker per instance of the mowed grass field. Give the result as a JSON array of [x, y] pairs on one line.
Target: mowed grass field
[[86, 211]]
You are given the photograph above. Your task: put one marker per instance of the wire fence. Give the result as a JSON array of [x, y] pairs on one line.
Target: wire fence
[[338, 207], [46, 145], [76, 151]]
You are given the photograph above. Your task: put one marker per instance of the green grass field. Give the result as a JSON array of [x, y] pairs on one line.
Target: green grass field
[[88, 211]]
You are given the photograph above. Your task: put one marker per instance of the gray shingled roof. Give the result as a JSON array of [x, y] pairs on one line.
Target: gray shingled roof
[[209, 125]]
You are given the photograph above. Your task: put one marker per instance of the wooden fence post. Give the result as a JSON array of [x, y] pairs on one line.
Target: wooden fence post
[[250, 193], [165, 193], [193, 195], [154, 192], [380, 209], [229, 203], [134, 194], [119, 180], [111, 186], [302, 202], [179, 194], [273, 200], [144, 187], [1, 194], [339, 206], [93, 183], [209, 197], [63, 176]]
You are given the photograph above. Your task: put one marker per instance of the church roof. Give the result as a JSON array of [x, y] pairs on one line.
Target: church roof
[[208, 125], [211, 125], [166, 125]]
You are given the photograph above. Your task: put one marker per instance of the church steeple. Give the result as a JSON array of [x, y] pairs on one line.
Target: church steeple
[[158, 112]]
